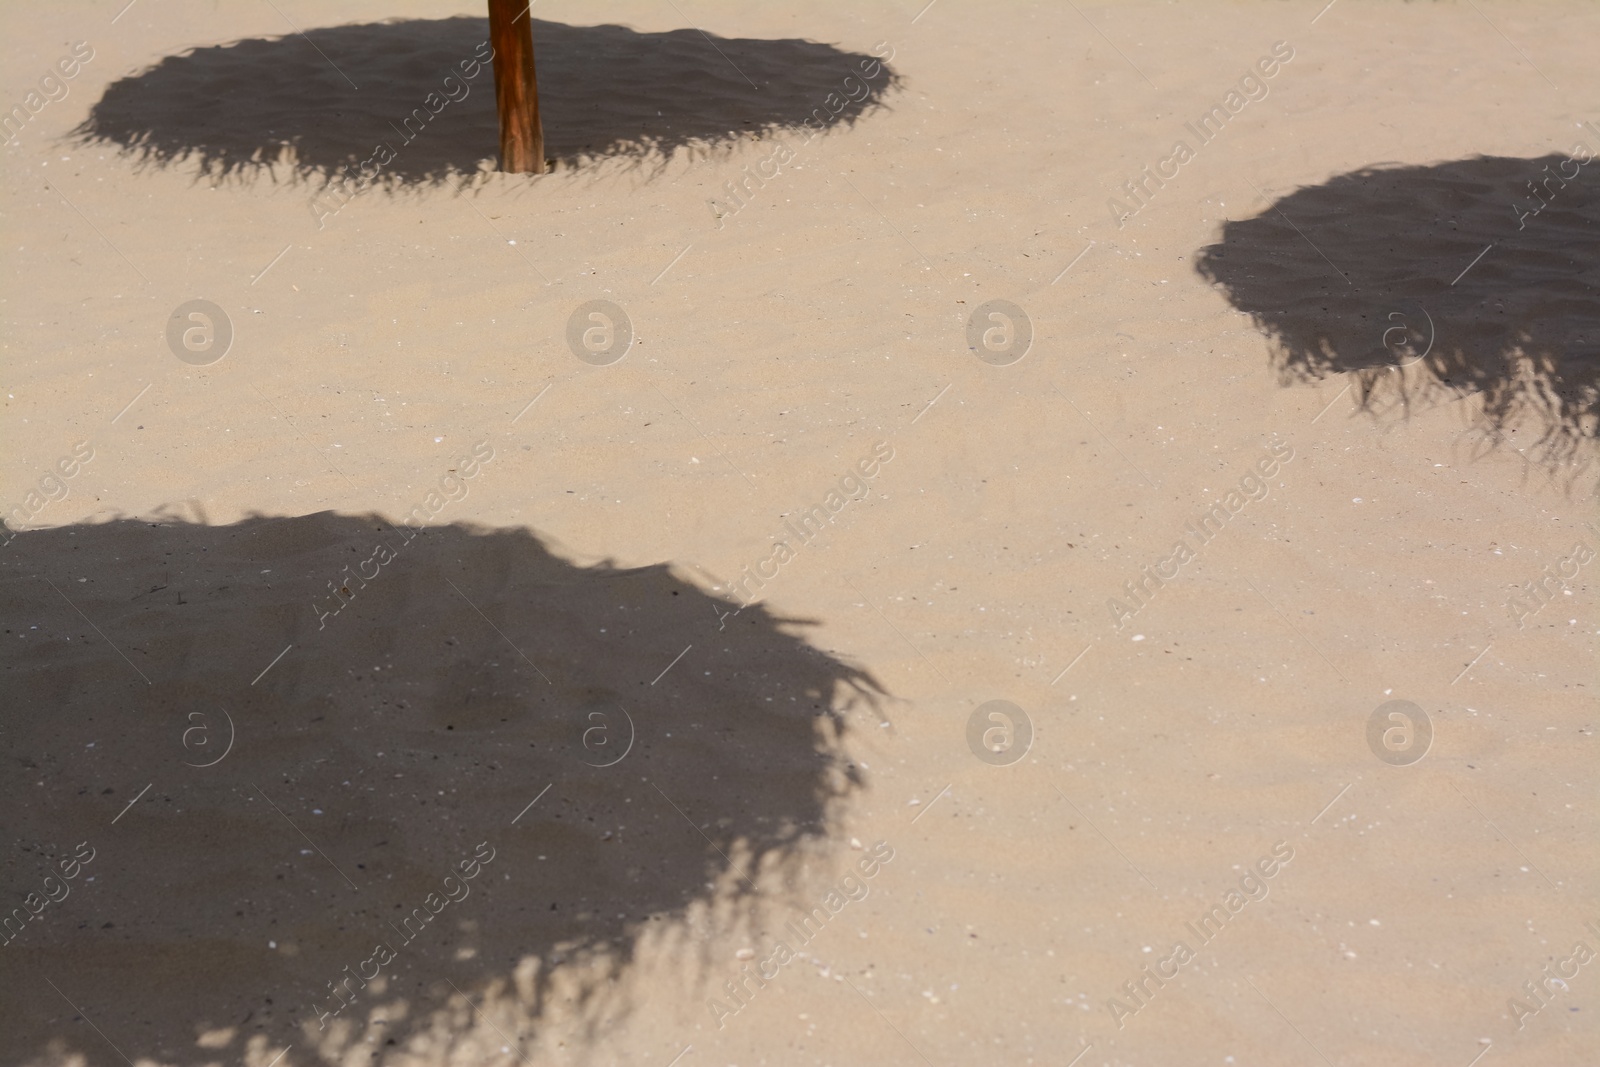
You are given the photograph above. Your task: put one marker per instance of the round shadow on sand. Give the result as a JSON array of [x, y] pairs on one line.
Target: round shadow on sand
[[321, 102], [268, 789], [1431, 283]]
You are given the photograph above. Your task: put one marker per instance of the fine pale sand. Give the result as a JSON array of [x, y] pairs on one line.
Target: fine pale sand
[[416, 684]]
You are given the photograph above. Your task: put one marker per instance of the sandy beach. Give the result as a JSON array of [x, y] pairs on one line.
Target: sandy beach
[[1000, 534]]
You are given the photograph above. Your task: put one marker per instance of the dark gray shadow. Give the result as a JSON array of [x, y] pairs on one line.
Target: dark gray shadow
[[313, 105], [464, 681], [1364, 274]]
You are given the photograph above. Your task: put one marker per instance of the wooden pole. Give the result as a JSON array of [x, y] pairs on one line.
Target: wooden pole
[[516, 92]]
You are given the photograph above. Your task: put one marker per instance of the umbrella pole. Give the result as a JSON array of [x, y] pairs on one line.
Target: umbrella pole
[[516, 92]]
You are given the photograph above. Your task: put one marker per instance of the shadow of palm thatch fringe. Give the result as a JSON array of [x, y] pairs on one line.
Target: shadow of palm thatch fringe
[[327, 102], [1428, 284], [475, 700]]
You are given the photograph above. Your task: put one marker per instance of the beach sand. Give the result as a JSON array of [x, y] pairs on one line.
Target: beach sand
[[396, 673]]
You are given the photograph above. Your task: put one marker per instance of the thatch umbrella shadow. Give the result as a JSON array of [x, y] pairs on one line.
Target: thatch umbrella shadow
[[412, 100], [448, 710], [1431, 283]]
